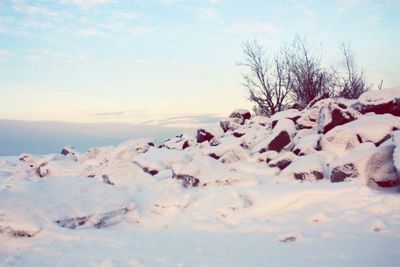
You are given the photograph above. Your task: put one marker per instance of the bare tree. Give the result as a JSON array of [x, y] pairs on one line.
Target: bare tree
[[353, 83], [268, 83], [309, 79]]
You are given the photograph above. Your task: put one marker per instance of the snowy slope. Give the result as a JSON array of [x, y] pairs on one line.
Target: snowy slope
[[318, 187]]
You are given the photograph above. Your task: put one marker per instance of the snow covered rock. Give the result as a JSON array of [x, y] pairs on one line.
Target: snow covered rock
[[72, 202], [282, 160], [230, 124], [374, 165], [203, 135], [157, 159], [281, 135], [206, 171], [333, 114], [309, 168], [131, 148], [241, 114], [380, 168], [379, 102], [306, 142], [292, 114], [180, 142]]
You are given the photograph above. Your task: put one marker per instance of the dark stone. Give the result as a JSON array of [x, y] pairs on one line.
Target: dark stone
[[274, 124], [387, 184], [340, 173], [185, 145], [281, 164], [279, 141], [236, 134], [150, 143], [392, 107], [106, 179], [339, 117], [41, 171], [66, 151], [242, 115], [387, 137], [187, 180], [302, 176], [203, 135], [225, 125], [213, 155]]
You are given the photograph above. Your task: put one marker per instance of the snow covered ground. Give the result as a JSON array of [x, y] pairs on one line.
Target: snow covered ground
[[318, 187]]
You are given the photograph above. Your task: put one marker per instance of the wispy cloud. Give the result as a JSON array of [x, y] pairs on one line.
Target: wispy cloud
[[4, 55], [85, 4], [21, 6], [57, 57], [208, 13], [255, 27]]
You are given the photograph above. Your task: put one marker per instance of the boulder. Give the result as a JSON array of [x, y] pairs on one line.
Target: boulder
[[342, 172], [379, 102], [241, 114], [279, 141], [334, 114], [203, 135], [281, 135], [380, 168], [309, 168], [230, 124], [282, 160], [306, 143]]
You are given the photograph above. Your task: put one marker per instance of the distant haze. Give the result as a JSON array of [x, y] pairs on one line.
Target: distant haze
[[17, 137]]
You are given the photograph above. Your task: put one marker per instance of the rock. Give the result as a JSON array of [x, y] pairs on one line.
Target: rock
[[230, 124], [283, 160], [241, 114], [340, 173], [292, 114], [340, 140], [188, 180], [42, 170], [238, 135], [279, 141], [380, 168], [334, 114], [180, 142], [281, 135], [306, 143], [310, 168], [67, 151], [203, 135], [96, 220], [379, 102]]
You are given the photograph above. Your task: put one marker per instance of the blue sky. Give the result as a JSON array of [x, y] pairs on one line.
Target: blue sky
[[142, 61]]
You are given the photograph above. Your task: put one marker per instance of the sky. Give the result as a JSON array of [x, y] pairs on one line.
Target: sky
[[146, 61]]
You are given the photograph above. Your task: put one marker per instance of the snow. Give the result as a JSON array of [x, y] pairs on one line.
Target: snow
[[219, 203]]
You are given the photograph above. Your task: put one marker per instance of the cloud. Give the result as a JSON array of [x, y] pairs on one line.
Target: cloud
[[208, 13], [255, 27], [185, 121], [120, 114], [20, 6], [85, 4], [4, 55], [90, 33], [57, 57]]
